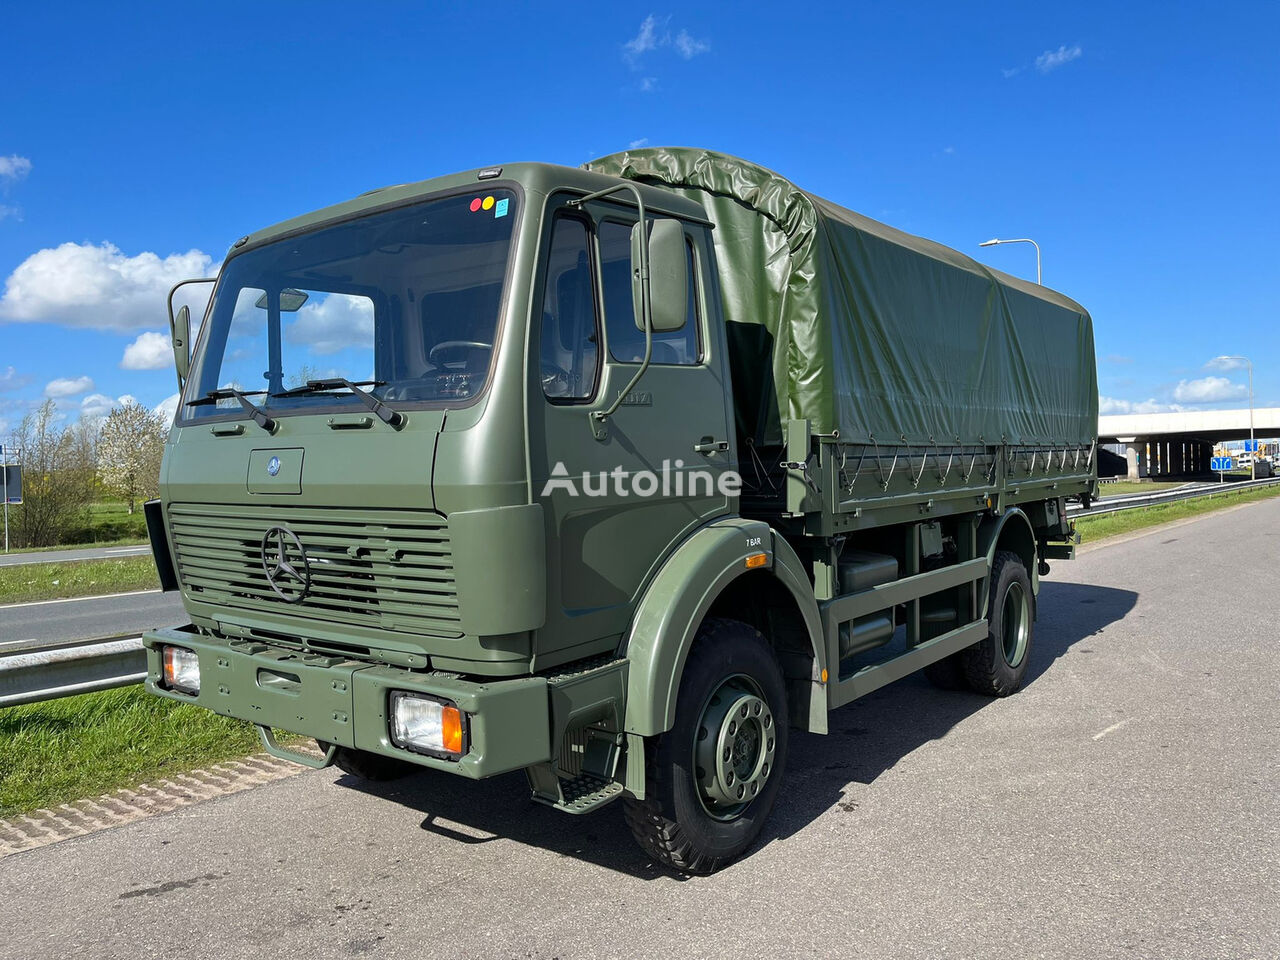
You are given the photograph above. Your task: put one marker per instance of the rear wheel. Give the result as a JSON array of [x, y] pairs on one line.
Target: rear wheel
[[712, 779], [997, 665], [372, 766]]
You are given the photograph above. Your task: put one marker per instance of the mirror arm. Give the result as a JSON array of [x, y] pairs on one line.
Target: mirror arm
[[174, 289], [598, 417]]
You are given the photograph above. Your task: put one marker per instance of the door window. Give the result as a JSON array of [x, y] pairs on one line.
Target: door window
[[569, 355]]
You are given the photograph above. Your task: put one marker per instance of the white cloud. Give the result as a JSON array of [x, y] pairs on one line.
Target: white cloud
[[637, 144], [10, 380], [1053, 59], [98, 405], [1208, 390], [98, 287], [14, 167], [1111, 405], [688, 47], [648, 84], [167, 408], [1010, 71], [642, 42], [332, 324], [151, 351], [655, 34], [68, 387], [1227, 363], [7, 212]]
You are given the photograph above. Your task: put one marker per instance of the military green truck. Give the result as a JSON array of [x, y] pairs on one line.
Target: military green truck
[[612, 475]]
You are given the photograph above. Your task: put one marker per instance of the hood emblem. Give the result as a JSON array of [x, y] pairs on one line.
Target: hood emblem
[[273, 466], [285, 564]]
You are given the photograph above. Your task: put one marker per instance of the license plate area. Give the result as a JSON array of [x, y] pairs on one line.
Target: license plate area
[[290, 690]]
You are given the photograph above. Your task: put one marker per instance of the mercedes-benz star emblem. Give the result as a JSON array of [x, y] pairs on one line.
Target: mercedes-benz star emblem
[[286, 565], [273, 466]]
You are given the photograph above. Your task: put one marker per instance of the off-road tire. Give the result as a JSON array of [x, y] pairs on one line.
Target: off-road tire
[[986, 667], [372, 766], [671, 824]]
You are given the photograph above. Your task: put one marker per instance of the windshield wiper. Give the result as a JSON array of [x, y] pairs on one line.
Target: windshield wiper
[[383, 412], [230, 393]]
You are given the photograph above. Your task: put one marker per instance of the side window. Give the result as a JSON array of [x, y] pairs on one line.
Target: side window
[[569, 351], [626, 340]]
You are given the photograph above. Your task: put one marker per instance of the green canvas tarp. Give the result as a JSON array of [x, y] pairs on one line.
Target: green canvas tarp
[[863, 329]]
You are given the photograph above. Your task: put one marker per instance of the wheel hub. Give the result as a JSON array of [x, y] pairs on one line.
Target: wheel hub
[[734, 753], [1015, 624]]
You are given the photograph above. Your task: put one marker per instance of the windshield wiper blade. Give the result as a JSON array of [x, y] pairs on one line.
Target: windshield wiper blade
[[383, 412], [230, 393]]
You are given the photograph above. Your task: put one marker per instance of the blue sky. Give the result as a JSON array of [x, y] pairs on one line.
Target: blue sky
[[1137, 143]]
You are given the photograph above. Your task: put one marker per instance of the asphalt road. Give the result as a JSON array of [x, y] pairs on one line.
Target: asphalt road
[[1123, 804], [63, 556], [86, 618]]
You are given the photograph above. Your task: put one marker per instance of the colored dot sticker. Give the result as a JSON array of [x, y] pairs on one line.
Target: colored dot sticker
[[488, 203], [475, 204]]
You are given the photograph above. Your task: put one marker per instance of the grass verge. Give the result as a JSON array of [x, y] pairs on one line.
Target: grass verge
[[64, 750], [1093, 529], [85, 578]]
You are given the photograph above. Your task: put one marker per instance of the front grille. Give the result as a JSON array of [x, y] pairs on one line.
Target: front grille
[[383, 569]]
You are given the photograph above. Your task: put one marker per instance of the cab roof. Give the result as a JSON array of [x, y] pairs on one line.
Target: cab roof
[[536, 180]]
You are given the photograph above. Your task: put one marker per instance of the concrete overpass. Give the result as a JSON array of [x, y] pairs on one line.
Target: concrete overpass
[[1163, 444]]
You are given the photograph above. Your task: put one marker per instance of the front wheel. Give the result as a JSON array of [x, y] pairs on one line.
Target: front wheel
[[712, 779]]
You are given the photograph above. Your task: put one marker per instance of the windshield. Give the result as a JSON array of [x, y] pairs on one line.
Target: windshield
[[407, 299]]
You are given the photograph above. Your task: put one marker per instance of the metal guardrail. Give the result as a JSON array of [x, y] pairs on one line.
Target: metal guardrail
[[38, 672], [1139, 500]]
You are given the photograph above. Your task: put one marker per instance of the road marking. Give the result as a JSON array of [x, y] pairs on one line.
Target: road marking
[[104, 596], [8, 561], [1112, 729]]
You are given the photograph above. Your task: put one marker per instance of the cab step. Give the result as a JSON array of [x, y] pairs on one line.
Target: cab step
[[582, 794]]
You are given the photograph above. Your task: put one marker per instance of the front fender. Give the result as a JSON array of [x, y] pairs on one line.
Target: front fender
[[667, 619]]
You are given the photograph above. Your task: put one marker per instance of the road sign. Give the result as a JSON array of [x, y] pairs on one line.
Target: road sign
[[1251, 446], [1220, 463]]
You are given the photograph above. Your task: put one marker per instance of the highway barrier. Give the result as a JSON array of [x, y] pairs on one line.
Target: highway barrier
[[32, 673], [1139, 500]]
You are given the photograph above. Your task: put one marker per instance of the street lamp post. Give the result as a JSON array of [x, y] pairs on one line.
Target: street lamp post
[[993, 243], [1253, 459]]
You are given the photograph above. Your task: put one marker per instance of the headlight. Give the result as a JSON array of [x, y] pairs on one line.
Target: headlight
[[181, 669], [426, 725]]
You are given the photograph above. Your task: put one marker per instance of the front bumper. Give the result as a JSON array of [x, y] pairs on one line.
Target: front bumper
[[346, 702]]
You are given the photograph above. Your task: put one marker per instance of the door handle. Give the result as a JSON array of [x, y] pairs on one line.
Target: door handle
[[710, 445]]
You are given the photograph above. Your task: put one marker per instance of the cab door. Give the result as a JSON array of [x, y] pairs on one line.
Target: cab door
[[616, 506]]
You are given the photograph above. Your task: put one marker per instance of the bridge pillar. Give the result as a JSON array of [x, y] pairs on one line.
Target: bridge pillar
[[1134, 459]]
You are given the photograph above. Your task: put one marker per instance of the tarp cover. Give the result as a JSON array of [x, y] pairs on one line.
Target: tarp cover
[[864, 329]]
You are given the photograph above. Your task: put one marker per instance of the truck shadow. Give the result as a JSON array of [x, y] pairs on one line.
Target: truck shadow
[[867, 738]]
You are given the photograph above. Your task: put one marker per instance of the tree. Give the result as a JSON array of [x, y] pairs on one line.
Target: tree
[[130, 447], [57, 476]]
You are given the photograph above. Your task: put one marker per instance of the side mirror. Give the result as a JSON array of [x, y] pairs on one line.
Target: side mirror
[[668, 299], [181, 346], [180, 331]]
